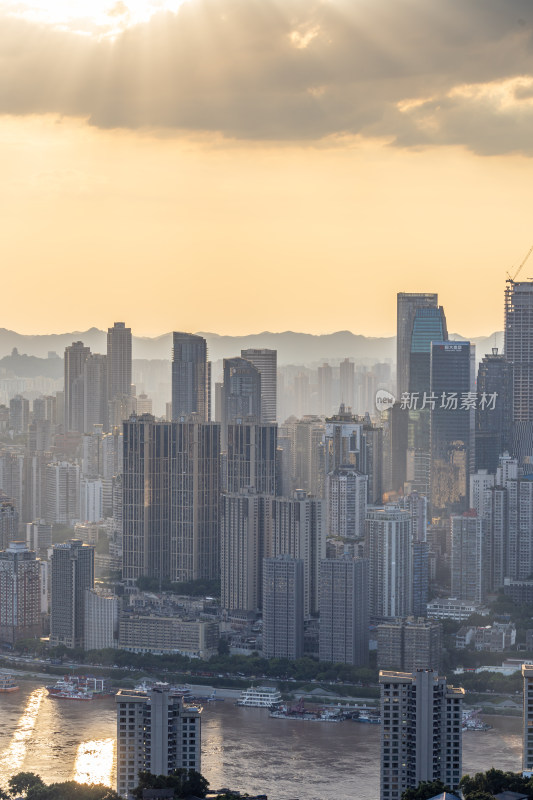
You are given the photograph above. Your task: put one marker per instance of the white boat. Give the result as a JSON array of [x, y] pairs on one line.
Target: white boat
[[259, 697]]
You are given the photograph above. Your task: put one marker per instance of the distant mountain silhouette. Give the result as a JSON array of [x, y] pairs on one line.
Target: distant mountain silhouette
[[292, 347]]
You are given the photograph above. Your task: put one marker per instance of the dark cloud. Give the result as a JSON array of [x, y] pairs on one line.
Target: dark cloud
[[292, 70]]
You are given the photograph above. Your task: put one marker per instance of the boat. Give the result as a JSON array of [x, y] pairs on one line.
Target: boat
[[301, 713], [369, 719], [471, 721], [69, 689], [7, 684], [259, 697]]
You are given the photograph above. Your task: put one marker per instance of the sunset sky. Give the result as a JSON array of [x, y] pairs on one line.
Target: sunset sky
[[245, 165]]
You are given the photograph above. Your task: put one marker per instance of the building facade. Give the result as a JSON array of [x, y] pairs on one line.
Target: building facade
[[156, 732], [421, 731]]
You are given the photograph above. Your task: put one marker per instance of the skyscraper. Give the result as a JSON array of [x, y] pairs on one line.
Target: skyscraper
[[20, 596], [344, 614], [266, 362], [346, 499], [297, 528], [429, 325], [519, 353], [347, 383], [241, 391], [251, 449], [471, 556], [452, 419], [407, 303], [421, 732], [283, 612], [527, 718], [171, 484], [243, 528], [190, 376], [75, 357], [118, 361], [95, 400], [388, 549], [72, 574], [493, 418], [157, 733]]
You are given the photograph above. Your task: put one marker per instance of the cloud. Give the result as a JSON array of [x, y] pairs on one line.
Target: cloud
[[416, 72]]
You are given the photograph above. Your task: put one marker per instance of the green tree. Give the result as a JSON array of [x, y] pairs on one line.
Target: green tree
[[183, 782], [425, 790], [23, 782]]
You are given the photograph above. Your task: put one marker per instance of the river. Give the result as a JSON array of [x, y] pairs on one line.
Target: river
[[242, 748]]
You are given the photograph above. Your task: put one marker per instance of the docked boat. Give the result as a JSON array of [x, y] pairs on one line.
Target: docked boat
[[8, 684], [368, 718], [301, 713], [259, 697], [67, 689]]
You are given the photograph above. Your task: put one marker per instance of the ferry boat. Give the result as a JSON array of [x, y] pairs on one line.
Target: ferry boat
[[7, 684], [299, 711], [68, 689], [259, 697]]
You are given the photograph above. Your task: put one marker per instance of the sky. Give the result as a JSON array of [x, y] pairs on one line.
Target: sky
[[244, 165]]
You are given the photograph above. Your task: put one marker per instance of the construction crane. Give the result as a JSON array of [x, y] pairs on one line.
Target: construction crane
[[515, 276]]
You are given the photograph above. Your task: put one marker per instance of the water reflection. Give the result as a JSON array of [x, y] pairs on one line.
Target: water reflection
[[94, 762], [13, 757]]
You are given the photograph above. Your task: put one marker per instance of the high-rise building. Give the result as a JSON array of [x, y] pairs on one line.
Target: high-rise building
[[266, 362], [417, 505], [39, 537], [325, 389], [388, 549], [421, 731], [72, 574], [62, 492], [480, 482], [519, 354], [95, 399], [190, 376], [118, 361], [75, 357], [243, 520], [241, 392], [101, 620], [407, 304], [9, 523], [283, 608], [527, 719], [452, 415], [409, 644], [171, 483], [420, 562], [342, 440], [307, 452], [20, 598], [297, 528], [429, 325], [471, 556], [19, 414], [494, 410], [395, 448], [157, 733], [346, 502], [251, 454], [344, 614], [347, 383]]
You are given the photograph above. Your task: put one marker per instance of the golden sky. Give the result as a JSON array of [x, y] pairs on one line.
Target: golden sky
[[244, 165]]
